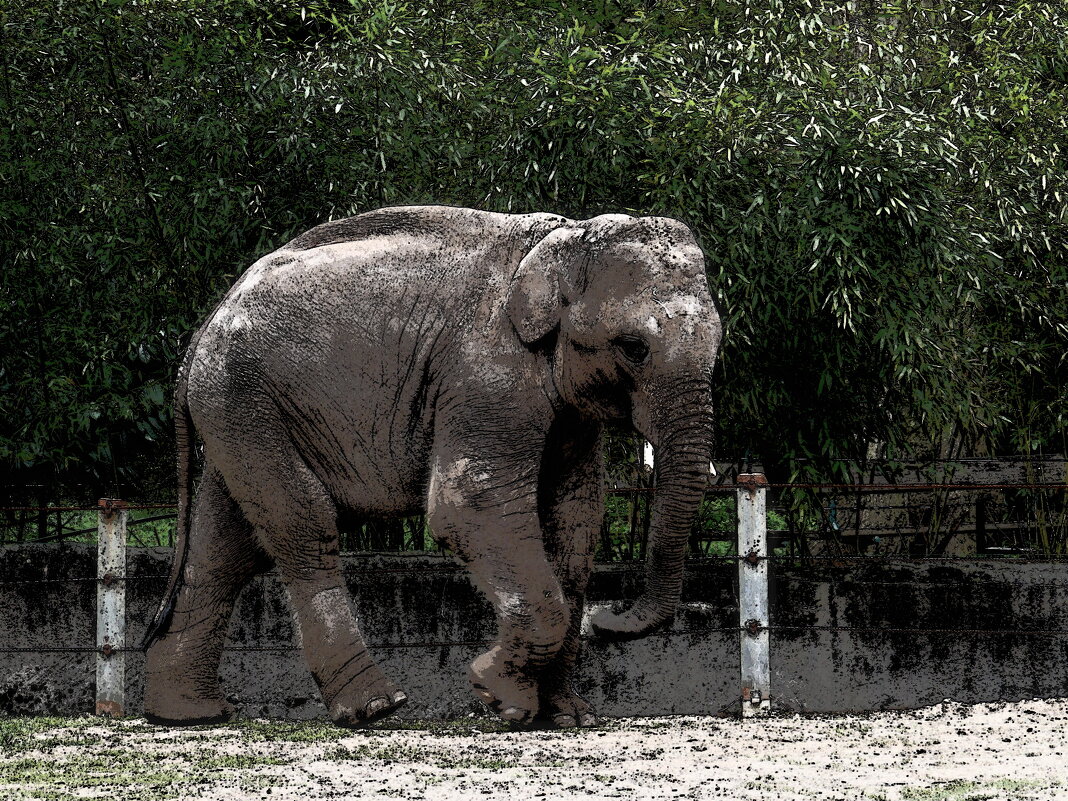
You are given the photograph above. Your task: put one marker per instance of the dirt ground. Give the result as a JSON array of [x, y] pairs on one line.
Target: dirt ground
[[949, 751]]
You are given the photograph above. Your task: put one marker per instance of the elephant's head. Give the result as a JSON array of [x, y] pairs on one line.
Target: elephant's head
[[636, 337]]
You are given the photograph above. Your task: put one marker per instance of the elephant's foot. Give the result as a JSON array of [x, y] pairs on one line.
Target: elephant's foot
[[180, 692], [177, 710], [503, 688], [566, 709], [356, 706]]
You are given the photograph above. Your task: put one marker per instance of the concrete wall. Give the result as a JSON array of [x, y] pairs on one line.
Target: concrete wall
[[404, 600]]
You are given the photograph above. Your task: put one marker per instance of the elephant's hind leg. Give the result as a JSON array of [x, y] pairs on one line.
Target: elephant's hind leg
[[297, 522], [182, 666]]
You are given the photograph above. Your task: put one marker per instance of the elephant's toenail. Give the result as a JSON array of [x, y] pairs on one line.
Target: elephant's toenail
[[587, 720], [514, 713], [399, 697], [376, 705]]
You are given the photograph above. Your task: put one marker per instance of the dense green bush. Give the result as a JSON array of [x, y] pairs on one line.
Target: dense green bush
[[879, 187]]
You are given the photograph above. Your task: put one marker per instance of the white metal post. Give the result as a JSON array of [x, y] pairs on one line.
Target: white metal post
[[753, 594], [111, 608]]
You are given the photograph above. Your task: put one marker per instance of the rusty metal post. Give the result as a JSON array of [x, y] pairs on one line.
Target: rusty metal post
[[111, 608], [753, 594]]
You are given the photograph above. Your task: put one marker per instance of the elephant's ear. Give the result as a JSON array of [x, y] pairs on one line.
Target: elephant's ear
[[540, 284]]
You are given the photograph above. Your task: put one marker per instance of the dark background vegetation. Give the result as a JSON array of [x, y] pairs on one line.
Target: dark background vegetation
[[880, 189]]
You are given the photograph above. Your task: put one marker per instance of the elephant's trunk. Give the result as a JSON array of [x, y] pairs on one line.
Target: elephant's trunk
[[683, 429]]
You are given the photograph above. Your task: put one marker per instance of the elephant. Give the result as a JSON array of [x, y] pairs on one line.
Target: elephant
[[452, 361]]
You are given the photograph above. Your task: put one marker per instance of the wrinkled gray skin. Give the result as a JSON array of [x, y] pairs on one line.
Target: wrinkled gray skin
[[452, 360]]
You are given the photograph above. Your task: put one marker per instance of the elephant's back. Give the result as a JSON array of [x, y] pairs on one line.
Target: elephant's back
[[445, 223], [369, 289]]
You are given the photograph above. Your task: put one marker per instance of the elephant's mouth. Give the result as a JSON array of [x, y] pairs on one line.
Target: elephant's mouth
[[612, 408], [608, 398]]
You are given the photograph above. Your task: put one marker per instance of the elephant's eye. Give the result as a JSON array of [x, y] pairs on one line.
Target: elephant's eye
[[634, 348]]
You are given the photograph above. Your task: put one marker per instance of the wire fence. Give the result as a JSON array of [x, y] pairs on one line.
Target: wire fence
[[844, 534]]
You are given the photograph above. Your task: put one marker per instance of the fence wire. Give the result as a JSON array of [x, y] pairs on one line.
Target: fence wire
[[740, 630], [1002, 514], [666, 634]]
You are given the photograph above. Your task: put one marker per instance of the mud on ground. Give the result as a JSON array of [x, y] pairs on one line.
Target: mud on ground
[[949, 751]]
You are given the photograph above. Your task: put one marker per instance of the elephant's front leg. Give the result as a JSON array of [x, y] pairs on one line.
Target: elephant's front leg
[[486, 510], [572, 497]]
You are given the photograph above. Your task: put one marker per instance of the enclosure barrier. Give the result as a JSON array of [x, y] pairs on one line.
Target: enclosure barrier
[[112, 520], [753, 558], [755, 673]]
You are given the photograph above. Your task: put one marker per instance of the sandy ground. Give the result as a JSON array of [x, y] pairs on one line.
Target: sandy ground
[[949, 751]]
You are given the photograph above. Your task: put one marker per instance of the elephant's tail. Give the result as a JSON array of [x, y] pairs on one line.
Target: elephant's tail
[[183, 434]]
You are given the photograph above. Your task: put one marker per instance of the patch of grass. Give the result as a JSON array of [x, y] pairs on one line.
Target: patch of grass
[[134, 775], [100, 770], [20, 734], [391, 753], [45, 795], [257, 782]]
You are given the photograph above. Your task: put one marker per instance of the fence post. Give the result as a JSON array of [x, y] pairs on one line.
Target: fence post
[[753, 594], [111, 608]]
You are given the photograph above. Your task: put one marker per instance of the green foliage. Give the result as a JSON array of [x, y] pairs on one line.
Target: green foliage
[[879, 187], [884, 213]]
